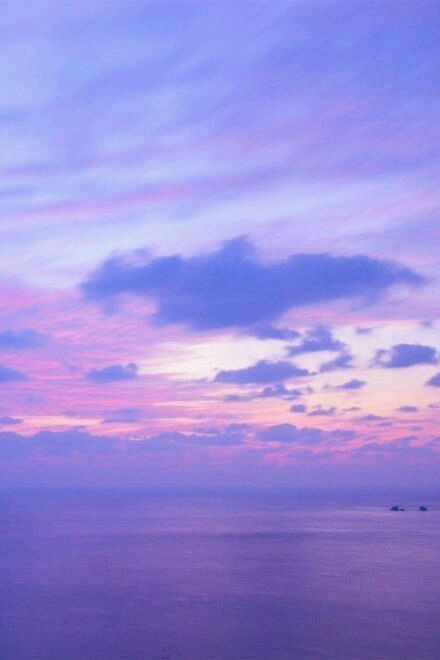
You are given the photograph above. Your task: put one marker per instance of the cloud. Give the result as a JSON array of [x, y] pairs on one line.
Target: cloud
[[127, 415], [267, 331], [236, 398], [322, 412], [405, 355], [317, 339], [15, 446], [62, 444], [277, 390], [283, 392], [177, 440], [261, 372], [231, 287], [289, 433], [403, 446], [372, 418], [408, 409], [113, 373], [298, 408], [363, 330], [233, 427], [10, 421], [9, 375], [342, 361], [271, 391], [434, 381], [354, 384], [21, 339]]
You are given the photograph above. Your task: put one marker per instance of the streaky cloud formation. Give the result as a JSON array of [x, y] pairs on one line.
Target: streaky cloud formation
[[231, 287]]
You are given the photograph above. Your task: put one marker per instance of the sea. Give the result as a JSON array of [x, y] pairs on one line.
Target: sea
[[199, 575]]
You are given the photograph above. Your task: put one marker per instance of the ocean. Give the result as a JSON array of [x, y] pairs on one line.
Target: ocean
[[97, 575]]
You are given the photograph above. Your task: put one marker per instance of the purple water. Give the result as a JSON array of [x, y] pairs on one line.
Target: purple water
[[142, 575]]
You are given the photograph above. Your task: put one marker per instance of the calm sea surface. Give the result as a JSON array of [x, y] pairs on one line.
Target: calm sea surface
[[143, 575]]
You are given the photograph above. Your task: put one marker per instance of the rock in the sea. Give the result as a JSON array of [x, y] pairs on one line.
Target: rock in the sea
[[395, 508], [423, 508]]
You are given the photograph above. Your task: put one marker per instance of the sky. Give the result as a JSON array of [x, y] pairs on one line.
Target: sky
[[219, 243]]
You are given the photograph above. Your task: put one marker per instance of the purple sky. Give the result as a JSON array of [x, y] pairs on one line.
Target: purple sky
[[219, 243]]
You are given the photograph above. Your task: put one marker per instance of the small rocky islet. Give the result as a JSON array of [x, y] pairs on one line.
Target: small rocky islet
[[401, 508]]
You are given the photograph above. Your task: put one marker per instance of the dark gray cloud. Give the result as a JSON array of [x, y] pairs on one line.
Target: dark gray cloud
[[405, 355], [318, 339], [113, 373], [17, 340], [408, 409], [232, 287], [261, 372], [10, 375]]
